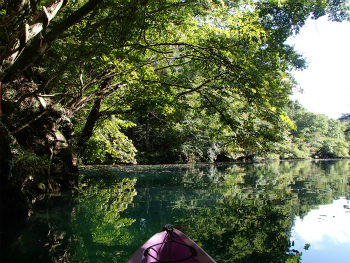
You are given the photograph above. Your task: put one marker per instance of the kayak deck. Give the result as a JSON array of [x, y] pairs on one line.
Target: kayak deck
[[170, 245]]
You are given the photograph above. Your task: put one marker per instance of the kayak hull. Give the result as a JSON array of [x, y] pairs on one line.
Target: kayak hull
[[170, 247]]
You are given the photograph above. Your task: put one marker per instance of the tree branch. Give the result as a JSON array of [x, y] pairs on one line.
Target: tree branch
[[200, 86], [17, 44], [11, 68], [29, 122], [91, 120]]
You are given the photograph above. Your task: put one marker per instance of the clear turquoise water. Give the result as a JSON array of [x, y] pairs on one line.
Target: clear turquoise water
[[269, 212]]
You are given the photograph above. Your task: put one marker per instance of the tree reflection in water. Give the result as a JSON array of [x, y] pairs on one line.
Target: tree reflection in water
[[85, 227], [97, 219], [237, 213]]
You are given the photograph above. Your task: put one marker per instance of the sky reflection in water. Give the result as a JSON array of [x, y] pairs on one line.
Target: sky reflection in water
[[327, 230]]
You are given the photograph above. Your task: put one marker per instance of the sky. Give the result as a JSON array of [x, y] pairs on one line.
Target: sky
[[326, 81]]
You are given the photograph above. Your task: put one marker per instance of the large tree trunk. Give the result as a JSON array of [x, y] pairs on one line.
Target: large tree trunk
[[89, 126], [18, 55], [93, 117], [18, 42]]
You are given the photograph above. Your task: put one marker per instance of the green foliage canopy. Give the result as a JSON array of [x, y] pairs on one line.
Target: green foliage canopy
[[128, 58]]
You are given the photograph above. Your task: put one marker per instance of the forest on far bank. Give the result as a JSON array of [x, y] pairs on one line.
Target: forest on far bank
[[198, 138]]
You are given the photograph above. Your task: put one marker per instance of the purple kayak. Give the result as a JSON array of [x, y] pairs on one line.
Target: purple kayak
[[170, 246]]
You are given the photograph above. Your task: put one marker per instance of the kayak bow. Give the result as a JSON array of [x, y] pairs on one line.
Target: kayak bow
[[170, 246]]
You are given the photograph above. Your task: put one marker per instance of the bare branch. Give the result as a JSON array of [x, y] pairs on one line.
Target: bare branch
[[28, 123]]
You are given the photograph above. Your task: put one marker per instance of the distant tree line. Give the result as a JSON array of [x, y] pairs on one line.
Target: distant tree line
[[317, 136], [196, 137]]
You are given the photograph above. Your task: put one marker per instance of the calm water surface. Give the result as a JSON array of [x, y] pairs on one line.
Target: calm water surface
[[272, 212]]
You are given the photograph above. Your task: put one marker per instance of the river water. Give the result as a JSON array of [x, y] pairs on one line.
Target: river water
[[262, 212]]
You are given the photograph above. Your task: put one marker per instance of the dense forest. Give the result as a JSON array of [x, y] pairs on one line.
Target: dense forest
[[197, 138], [149, 81]]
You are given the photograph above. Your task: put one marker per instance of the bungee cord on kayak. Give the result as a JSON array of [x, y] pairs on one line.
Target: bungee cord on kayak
[[169, 238]]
